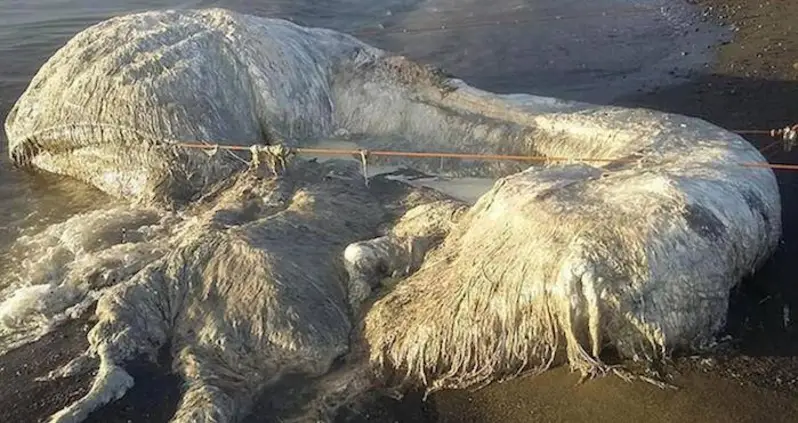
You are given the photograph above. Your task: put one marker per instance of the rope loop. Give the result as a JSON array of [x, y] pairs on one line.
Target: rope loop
[[275, 157], [787, 135], [364, 156], [212, 151]]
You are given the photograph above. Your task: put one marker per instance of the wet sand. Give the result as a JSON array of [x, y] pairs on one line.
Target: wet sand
[[754, 85], [554, 397]]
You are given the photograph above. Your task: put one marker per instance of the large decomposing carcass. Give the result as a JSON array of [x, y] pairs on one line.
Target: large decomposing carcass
[[634, 243]]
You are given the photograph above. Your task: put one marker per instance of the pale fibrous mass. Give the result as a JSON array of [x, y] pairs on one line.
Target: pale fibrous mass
[[251, 273]]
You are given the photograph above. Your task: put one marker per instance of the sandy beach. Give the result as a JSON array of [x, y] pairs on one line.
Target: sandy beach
[[753, 379]]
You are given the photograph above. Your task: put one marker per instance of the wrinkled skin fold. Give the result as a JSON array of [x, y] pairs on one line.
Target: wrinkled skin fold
[[267, 276]]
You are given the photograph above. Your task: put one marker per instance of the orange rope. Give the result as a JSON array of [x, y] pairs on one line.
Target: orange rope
[[773, 166], [466, 156], [752, 131]]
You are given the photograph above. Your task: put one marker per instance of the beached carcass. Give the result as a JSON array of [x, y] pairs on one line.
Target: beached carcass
[[634, 243]]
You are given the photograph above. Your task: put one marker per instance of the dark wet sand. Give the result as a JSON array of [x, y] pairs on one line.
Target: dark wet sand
[[754, 85]]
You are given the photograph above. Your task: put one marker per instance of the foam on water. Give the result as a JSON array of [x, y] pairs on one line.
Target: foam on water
[[61, 270]]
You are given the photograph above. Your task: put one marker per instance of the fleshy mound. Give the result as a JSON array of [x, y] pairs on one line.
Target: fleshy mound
[[107, 106], [266, 276], [252, 289], [554, 264]]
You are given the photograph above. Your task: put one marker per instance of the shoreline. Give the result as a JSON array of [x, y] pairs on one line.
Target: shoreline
[[749, 87]]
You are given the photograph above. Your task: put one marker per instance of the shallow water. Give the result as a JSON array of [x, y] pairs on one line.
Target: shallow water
[[584, 50]]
